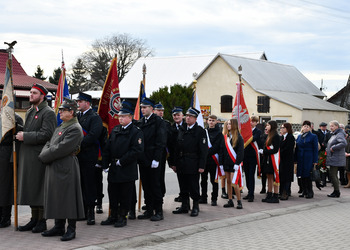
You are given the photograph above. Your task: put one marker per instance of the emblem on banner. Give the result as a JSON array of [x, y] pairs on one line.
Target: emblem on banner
[[114, 104]]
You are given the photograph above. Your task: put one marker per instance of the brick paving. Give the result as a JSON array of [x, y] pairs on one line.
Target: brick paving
[[211, 219]]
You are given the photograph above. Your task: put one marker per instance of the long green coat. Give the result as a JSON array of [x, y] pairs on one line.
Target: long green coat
[[38, 128], [62, 189]]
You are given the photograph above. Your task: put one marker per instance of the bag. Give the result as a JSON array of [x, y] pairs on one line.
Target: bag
[[315, 175]]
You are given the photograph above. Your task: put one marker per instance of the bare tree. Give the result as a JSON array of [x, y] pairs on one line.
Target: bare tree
[[124, 46]]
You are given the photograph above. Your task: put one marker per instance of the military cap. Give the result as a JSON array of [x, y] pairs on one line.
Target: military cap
[[41, 88], [69, 104], [322, 124], [147, 102], [84, 97], [177, 110], [193, 112], [159, 106], [126, 108]]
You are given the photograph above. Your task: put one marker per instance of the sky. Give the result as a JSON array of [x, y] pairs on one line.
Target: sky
[[312, 35]]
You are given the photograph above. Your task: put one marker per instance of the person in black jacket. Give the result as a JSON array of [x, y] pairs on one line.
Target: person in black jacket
[[190, 156], [231, 157], [250, 160], [91, 124], [270, 162], [120, 155], [154, 132], [214, 137]]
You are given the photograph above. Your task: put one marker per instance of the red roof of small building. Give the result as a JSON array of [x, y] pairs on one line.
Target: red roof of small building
[[20, 78]]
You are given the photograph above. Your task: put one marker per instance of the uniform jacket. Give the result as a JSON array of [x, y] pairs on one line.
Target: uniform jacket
[[267, 153], [172, 141], [225, 159], [154, 133], [216, 138], [306, 153], [62, 195], [92, 125], [38, 128], [124, 145], [286, 167], [191, 149], [6, 165], [337, 143], [321, 138], [249, 150]]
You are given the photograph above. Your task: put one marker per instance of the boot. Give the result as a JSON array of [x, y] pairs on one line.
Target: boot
[[284, 196], [300, 184], [203, 200], [268, 197], [122, 221], [70, 234], [184, 207], [239, 204], [91, 216], [29, 226], [99, 209], [195, 209], [40, 226], [5, 216], [57, 230], [112, 219], [229, 203], [303, 187], [224, 194], [132, 214], [335, 194], [158, 215], [273, 199], [178, 199], [310, 192], [146, 215]]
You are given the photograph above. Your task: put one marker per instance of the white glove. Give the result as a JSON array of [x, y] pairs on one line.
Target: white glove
[[236, 167], [106, 170], [261, 151], [222, 168], [155, 164], [98, 166], [118, 163]]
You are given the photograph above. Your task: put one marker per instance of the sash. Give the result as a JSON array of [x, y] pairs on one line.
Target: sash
[[256, 149], [275, 159], [237, 176], [219, 172], [99, 146]]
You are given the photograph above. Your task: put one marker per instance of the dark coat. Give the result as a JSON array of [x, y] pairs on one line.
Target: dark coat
[[191, 149], [154, 133], [62, 195], [171, 143], [6, 165], [337, 143], [306, 153], [124, 145], [216, 138], [249, 151], [286, 168], [38, 128], [321, 138], [92, 127], [225, 159], [267, 166]]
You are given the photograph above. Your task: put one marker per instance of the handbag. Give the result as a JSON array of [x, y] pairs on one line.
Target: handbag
[[315, 174]]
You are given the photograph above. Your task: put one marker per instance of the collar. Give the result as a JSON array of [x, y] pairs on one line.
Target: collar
[[190, 127], [125, 127], [86, 111]]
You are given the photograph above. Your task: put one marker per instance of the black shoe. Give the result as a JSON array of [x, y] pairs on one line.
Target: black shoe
[[53, 232], [69, 235], [144, 207], [91, 216], [40, 226], [5, 222], [273, 199], [239, 204], [268, 197], [214, 203], [29, 226], [110, 221], [202, 201], [132, 215], [99, 209], [229, 204], [121, 222], [145, 215], [181, 210], [246, 197], [224, 196], [251, 199], [157, 216], [335, 194], [195, 209], [263, 191], [178, 199]]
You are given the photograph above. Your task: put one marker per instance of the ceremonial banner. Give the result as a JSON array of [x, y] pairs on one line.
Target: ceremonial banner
[[195, 104], [62, 91], [142, 94], [109, 105], [7, 117], [275, 159]]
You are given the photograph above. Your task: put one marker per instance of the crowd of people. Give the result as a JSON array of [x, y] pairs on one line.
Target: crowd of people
[[60, 167]]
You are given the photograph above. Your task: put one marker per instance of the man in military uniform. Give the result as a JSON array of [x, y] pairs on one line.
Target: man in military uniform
[[91, 123], [120, 155], [159, 110], [40, 122], [154, 132], [190, 153]]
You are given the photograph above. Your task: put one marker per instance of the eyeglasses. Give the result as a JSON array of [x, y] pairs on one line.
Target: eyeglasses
[[61, 110]]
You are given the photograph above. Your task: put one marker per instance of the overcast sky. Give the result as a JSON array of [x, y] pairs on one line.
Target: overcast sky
[[312, 35]]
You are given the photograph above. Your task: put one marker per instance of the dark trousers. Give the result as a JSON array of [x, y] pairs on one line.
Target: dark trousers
[[249, 165], [189, 186], [88, 183], [120, 195], [211, 169], [150, 178], [99, 185], [162, 164], [285, 187]]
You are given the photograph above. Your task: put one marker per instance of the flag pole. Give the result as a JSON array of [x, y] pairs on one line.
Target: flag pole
[[144, 85], [239, 95]]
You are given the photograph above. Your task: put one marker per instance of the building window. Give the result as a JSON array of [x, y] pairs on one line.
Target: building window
[[263, 104], [226, 103]]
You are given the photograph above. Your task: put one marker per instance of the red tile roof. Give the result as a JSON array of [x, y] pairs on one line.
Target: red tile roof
[[20, 77]]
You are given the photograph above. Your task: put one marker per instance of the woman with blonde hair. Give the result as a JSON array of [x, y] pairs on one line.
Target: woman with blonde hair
[[231, 157]]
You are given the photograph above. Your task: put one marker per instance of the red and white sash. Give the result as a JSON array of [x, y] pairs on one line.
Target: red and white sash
[[237, 176], [256, 149], [219, 172], [275, 158]]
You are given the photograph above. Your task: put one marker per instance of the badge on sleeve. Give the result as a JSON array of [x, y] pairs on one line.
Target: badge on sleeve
[[204, 140], [139, 140], [36, 117], [60, 133]]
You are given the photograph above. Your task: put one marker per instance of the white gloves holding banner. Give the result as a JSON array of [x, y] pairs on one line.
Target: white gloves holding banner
[[155, 164], [261, 151]]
